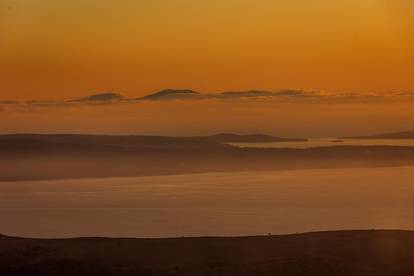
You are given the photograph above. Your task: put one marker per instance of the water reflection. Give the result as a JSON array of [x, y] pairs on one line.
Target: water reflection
[[246, 203]]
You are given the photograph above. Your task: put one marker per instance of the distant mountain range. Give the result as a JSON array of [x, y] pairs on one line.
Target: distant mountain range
[[171, 94], [174, 94], [188, 94]]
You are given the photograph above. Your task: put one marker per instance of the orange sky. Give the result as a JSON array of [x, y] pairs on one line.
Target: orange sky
[[63, 49], [57, 50]]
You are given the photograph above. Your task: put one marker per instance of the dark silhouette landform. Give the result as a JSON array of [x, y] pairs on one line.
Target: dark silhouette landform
[[169, 94], [185, 94], [392, 135], [36, 157], [357, 253]]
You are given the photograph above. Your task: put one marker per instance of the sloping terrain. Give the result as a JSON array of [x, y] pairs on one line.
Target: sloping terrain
[[326, 253]]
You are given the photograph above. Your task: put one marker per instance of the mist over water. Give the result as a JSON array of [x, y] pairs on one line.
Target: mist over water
[[329, 142], [247, 203]]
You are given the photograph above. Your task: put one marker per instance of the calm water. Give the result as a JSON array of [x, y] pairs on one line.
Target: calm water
[[211, 204], [329, 142]]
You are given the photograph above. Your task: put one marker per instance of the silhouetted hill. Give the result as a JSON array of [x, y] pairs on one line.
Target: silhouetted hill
[[356, 253], [252, 138], [113, 140], [103, 97], [30, 157], [262, 93], [250, 93], [171, 94], [394, 135], [182, 94], [214, 141]]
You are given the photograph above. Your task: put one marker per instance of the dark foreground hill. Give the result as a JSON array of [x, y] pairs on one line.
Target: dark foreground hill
[[35, 157], [327, 253]]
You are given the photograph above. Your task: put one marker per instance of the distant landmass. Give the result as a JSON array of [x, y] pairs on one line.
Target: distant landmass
[[171, 94], [393, 135], [36, 157], [252, 138], [356, 253], [180, 94], [148, 141]]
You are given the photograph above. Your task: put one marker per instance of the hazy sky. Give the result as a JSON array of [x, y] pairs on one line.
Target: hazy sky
[[70, 48]]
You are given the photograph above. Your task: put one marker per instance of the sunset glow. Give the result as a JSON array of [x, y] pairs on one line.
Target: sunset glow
[[56, 49]]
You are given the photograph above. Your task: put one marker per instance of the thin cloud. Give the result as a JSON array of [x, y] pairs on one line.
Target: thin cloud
[[6, 102]]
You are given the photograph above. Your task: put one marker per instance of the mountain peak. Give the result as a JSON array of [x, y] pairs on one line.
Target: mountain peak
[[103, 97], [170, 94]]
